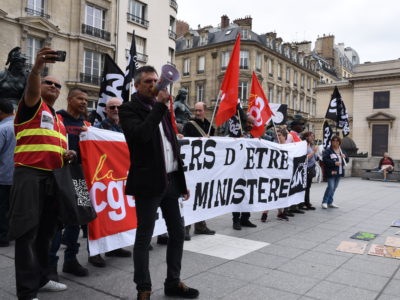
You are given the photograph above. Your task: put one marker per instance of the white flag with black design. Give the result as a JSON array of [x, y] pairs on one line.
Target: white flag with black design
[[280, 113], [328, 134]]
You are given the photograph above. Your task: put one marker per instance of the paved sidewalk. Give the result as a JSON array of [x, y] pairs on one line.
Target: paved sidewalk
[[297, 259]]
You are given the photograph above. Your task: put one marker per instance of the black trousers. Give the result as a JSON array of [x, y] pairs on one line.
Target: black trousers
[[32, 247], [310, 176], [4, 207], [146, 210], [240, 217]]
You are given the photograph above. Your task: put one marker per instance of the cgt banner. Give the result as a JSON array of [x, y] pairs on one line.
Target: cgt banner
[[223, 175]]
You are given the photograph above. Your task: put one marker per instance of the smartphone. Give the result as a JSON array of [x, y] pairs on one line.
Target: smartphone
[[60, 56]]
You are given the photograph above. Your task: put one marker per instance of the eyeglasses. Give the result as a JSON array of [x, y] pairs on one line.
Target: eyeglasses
[[113, 107], [49, 82]]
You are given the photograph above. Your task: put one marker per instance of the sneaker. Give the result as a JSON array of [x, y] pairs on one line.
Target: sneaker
[[204, 230], [74, 267], [264, 217], [247, 223], [333, 206], [282, 217], [236, 225], [324, 205], [53, 286], [97, 261], [143, 295], [181, 290], [119, 253], [162, 239]]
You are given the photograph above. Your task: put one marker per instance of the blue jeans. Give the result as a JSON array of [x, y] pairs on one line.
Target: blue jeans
[[70, 238], [333, 182]]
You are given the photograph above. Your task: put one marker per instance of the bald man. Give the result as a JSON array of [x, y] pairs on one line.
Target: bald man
[[111, 122], [41, 148]]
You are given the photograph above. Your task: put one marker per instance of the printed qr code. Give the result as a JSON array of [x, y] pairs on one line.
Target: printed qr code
[[81, 192]]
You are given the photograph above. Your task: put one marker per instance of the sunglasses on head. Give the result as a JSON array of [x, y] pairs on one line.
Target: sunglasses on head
[[112, 107], [49, 82]]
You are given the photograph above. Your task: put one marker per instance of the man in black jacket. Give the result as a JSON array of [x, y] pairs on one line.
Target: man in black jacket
[[156, 179], [198, 127]]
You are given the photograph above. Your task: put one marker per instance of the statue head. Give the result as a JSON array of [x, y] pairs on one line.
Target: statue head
[[16, 59], [181, 97]]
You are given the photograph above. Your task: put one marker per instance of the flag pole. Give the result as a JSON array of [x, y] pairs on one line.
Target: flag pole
[[276, 132], [213, 115], [240, 122]]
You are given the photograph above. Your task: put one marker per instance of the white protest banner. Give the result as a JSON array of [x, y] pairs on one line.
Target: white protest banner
[[223, 174]]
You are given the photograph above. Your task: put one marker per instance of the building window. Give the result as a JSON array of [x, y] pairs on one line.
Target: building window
[[243, 90], [295, 78], [258, 62], [314, 108], [189, 42], [137, 13], [270, 70], [381, 99], [280, 97], [294, 103], [225, 60], [308, 84], [287, 74], [172, 28], [141, 48], [380, 139], [302, 81], [36, 8], [33, 46], [186, 66], [245, 34], [94, 17], [308, 108], [279, 71], [200, 64], [271, 94], [244, 60], [171, 56], [200, 92], [301, 107], [203, 39], [92, 67], [287, 99]]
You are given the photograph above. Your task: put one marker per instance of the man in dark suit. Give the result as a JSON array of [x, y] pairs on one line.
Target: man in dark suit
[[156, 179]]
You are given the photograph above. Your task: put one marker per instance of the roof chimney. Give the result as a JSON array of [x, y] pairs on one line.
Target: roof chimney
[[224, 21]]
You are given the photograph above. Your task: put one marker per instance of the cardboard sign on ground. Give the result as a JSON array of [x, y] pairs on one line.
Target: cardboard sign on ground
[[352, 247], [364, 236], [384, 251], [392, 241]]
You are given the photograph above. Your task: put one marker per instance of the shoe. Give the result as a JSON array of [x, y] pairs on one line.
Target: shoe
[[296, 211], [181, 290], [119, 253], [53, 274], [236, 225], [264, 217], [204, 230], [162, 239], [310, 207], [247, 223], [97, 261], [282, 217], [53, 286], [187, 233], [74, 267], [324, 205], [289, 214], [143, 295], [333, 206]]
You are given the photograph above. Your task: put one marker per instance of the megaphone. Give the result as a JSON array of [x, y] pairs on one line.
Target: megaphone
[[169, 74]]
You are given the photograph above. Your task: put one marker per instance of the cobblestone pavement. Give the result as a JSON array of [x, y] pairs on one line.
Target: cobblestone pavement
[[298, 259]]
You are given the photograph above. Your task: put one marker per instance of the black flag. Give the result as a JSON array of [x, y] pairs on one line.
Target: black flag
[[337, 112], [332, 112], [328, 134], [111, 85], [130, 70], [280, 113]]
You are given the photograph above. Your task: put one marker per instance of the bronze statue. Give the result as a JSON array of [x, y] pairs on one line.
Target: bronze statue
[[13, 79], [181, 110]]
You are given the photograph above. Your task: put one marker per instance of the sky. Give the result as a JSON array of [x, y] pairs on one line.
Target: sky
[[372, 28]]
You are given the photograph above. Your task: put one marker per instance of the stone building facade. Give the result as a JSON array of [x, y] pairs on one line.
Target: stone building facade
[[287, 74], [87, 30]]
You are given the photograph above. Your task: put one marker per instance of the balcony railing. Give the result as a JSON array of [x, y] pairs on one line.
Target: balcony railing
[[173, 4], [142, 57], [38, 13], [97, 32], [89, 78], [172, 34], [138, 20]]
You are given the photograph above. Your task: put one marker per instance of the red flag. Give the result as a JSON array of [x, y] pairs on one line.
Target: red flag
[[229, 87], [258, 107], [171, 111]]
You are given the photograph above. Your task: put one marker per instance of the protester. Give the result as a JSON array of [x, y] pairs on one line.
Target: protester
[[33, 210], [111, 122], [334, 160], [198, 127], [281, 134], [156, 179], [386, 165], [7, 145], [243, 219], [312, 150], [74, 122]]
